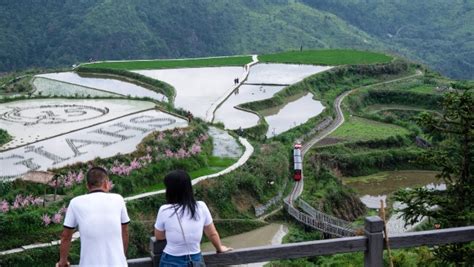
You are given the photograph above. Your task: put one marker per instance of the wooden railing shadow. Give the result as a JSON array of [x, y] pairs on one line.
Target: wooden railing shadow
[[371, 244]]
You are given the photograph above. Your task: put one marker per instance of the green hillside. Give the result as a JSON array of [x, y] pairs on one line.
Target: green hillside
[[49, 33], [61, 33], [326, 57], [437, 32]]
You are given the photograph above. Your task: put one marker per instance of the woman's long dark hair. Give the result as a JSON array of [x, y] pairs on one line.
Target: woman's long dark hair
[[179, 192]]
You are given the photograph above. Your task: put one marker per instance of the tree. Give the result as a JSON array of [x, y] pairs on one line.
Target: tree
[[452, 134]]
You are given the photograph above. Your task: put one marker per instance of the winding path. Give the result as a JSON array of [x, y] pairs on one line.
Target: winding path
[[317, 219]]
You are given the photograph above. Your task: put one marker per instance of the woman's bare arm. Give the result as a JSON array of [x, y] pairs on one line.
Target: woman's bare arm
[[213, 235], [160, 235]]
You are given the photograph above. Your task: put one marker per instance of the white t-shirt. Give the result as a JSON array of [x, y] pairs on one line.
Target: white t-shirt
[[193, 229], [99, 217]]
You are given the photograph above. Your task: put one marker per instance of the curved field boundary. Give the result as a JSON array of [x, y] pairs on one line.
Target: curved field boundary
[[75, 84], [298, 188], [210, 113], [248, 152], [235, 60]]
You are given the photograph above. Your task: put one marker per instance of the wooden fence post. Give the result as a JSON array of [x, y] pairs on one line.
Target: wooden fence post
[[374, 232], [156, 249]]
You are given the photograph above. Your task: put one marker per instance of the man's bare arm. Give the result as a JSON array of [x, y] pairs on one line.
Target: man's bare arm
[[125, 237], [66, 238]]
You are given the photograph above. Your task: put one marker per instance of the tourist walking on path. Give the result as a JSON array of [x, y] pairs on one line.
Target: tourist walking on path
[[102, 220], [182, 221]]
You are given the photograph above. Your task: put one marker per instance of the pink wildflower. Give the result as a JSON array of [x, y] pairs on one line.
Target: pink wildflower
[[146, 159], [160, 136], [4, 206], [203, 137], [195, 149], [37, 201], [149, 149], [135, 164], [46, 219], [63, 210], [169, 153], [181, 153], [79, 177], [57, 218]]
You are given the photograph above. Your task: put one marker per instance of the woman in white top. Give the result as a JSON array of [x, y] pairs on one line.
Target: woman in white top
[[182, 221]]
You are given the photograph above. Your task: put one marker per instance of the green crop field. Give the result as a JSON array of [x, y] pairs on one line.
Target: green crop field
[[326, 57], [360, 129], [172, 63]]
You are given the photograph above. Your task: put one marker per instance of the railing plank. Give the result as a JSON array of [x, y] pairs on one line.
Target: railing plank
[[433, 237], [287, 251]]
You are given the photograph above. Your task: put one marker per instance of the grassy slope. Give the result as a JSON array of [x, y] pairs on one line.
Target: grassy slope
[[360, 129], [167, 64], [327, 57]]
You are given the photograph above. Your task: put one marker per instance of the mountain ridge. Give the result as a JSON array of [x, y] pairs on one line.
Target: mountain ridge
[[59, 33]]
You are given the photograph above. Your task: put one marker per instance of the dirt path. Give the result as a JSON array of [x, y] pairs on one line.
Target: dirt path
[[338, 121]]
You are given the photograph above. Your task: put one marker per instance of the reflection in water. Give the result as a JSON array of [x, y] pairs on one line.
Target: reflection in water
[[271, 234], [105, 84], [197, 88], [293, 114], [234, 118], [282, 73], [379, 186]]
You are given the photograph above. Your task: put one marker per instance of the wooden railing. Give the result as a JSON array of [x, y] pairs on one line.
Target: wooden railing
[[371, 244]]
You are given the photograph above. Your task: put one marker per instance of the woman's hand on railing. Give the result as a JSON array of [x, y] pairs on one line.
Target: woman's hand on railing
[[223, 249]]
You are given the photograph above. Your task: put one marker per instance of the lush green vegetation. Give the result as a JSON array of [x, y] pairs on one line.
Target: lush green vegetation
[[4, 137], [176, 63], [56, 33], [150, 83], [442, 37], [332, 57], [326, 86], [360, 129]]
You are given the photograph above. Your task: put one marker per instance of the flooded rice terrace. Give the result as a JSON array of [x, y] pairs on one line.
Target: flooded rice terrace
[[197, 88], [271, 234], [273, 73], [263, 82], [47, 85], [57, 132], [234, 118], [380, 186], [292, 114]]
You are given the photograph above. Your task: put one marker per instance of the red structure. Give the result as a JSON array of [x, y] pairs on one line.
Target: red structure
[[298, 162]]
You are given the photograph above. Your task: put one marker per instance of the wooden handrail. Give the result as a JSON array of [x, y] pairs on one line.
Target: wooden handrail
[[372, 244]]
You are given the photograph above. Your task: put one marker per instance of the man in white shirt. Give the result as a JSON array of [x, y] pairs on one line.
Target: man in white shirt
[[102, 220]]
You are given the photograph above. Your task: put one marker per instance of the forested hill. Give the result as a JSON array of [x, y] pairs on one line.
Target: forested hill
[[437, 32], [63, 32]]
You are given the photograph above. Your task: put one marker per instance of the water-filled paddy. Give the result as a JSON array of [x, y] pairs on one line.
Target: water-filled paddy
[[374, 188], [121, 135], [197, 88], [104, 84], [271, 234], [282, 73], [36, 119], [281, 119], [234, 118]]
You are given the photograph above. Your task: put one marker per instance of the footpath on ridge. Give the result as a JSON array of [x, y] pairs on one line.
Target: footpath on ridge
[[312, 217]]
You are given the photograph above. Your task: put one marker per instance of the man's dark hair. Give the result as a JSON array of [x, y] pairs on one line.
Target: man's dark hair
[[179, 192], [96, 176]]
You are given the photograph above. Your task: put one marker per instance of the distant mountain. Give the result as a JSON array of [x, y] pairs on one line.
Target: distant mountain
[[63, 32]]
